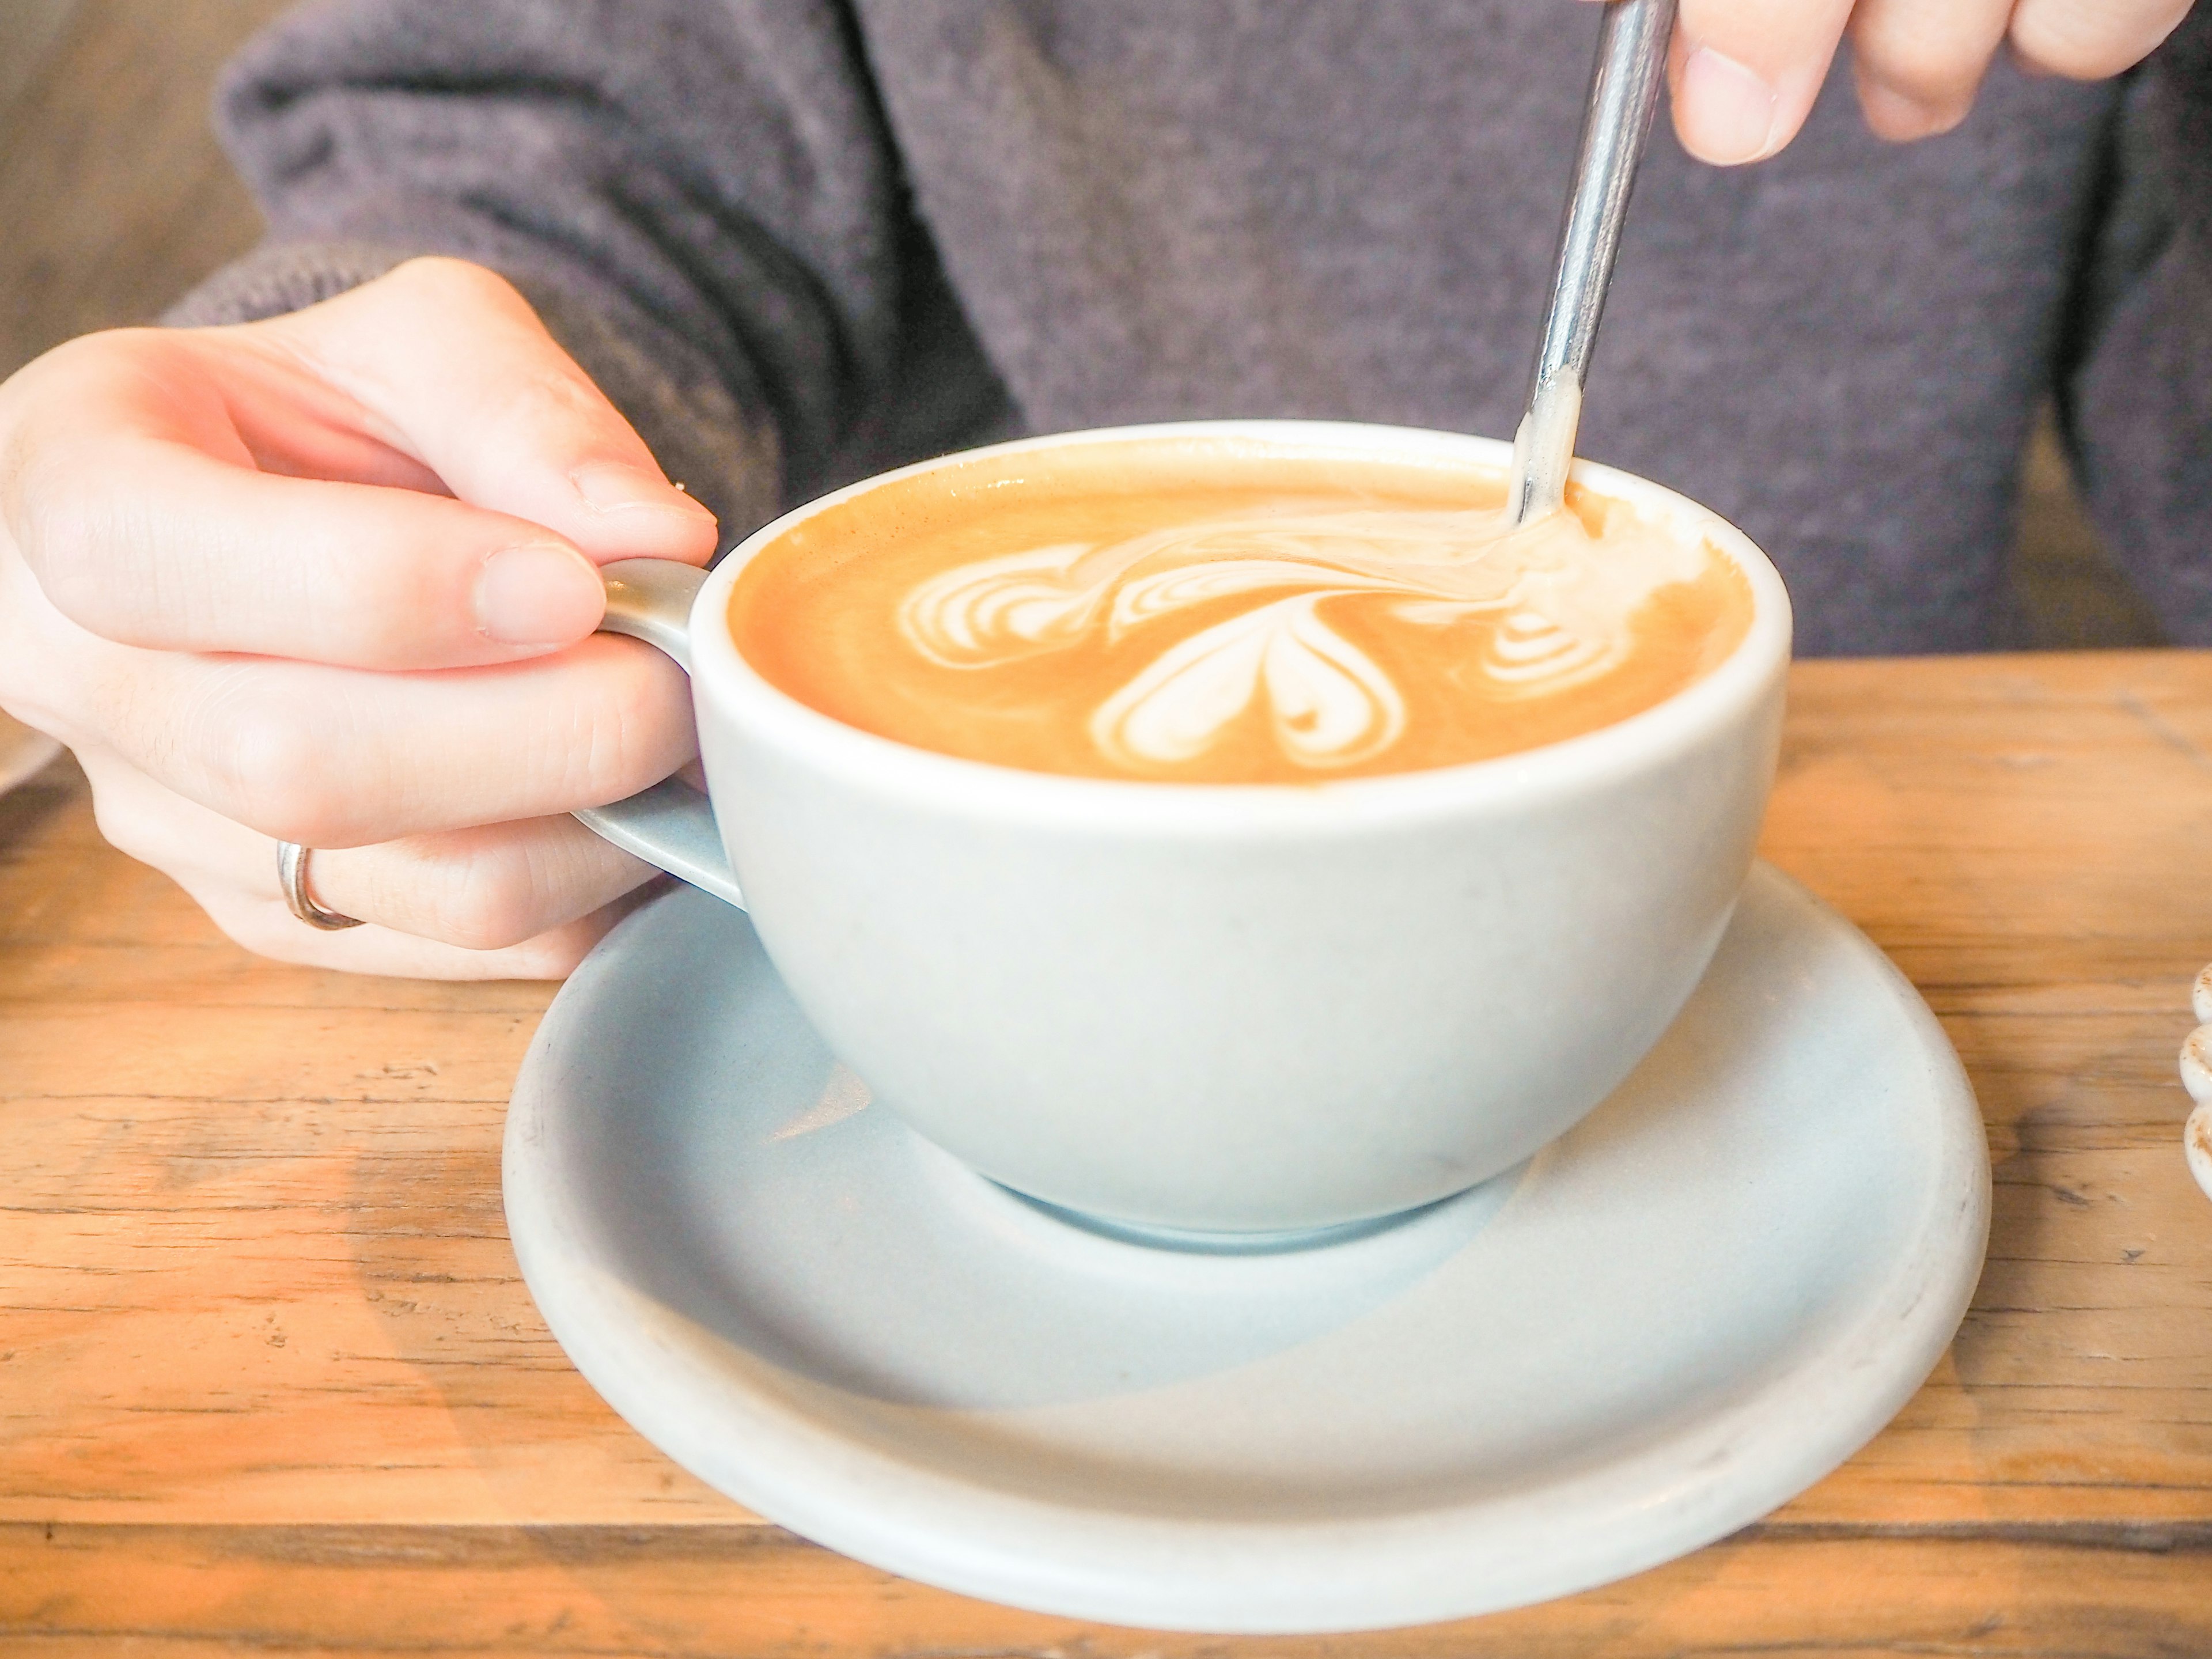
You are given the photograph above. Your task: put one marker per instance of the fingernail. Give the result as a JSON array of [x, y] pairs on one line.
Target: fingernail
[[538, 593], [1729, 107], [618, 487], [1900, 118]]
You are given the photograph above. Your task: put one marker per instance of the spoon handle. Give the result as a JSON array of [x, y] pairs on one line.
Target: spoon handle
[[1631, 61]]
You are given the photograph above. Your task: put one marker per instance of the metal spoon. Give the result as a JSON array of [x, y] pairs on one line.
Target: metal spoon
[[1631, 59]]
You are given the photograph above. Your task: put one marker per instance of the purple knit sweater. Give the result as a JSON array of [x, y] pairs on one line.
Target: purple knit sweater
[[797, 240]]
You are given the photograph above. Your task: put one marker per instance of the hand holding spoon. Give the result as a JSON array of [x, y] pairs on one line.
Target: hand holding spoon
[[1631, 59]]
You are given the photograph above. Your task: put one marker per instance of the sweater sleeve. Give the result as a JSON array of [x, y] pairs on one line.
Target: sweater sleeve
[[701, 201], [2138, 400]]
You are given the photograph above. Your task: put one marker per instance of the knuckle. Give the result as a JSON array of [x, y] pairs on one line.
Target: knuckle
[[45, 499], [440, 279], [57, 374], [477, 890], [59, 468], [42, 396], [638, 731], [486, 901], [56, 526], [546, 403], [268, 764]]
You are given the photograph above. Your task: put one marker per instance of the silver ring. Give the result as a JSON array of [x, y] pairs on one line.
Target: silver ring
[[292, 877]]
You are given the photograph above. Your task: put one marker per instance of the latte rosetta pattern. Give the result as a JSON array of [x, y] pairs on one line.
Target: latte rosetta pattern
[[1558, 602]]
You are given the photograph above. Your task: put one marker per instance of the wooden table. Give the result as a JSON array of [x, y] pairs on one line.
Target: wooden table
[[269, 1380]]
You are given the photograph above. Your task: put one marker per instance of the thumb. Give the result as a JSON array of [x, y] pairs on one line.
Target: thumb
[[456, 366]]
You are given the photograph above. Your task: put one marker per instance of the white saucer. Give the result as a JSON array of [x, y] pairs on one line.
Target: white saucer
[[1688, 1309]]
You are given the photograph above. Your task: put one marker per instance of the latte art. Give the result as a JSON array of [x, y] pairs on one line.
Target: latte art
[[1208, 614], [1328, 704], [1560, 614]]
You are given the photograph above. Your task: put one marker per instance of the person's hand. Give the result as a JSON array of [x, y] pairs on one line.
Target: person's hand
[[1744, 72], [332, 578]]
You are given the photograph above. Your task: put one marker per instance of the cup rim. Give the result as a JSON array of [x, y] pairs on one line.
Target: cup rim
[[723, 678]]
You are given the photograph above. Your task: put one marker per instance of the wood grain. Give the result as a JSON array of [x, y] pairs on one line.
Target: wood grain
[[166, 1592], [268, 1377]]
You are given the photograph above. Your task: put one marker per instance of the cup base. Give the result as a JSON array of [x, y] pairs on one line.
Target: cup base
[[1191, 1242]]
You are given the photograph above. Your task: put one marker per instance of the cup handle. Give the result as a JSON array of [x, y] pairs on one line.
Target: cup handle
[[671, 825]]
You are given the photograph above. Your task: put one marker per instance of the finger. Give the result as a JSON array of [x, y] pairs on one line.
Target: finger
[[518, 900], [485, 888], [1918, 66], [146, 523], [334, 757], [330, 756], [267, 928], [462, 374], [1744, 73], [2088, 42]]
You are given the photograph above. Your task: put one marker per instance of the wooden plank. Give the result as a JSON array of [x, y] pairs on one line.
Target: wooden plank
[[167, 1591], [252, 1263], [291, 1310], [2018, 833], [330, 1277], [2008, 821]]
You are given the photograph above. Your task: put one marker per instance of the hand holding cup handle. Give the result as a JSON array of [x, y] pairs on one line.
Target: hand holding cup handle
[[320, 579], [2196, 1077]]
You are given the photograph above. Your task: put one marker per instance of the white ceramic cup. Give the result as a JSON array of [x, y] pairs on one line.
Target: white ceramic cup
[[1226, 1008]]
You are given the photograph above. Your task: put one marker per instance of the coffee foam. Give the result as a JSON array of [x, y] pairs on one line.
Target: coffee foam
[[1208, 614], [1563, 615]]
